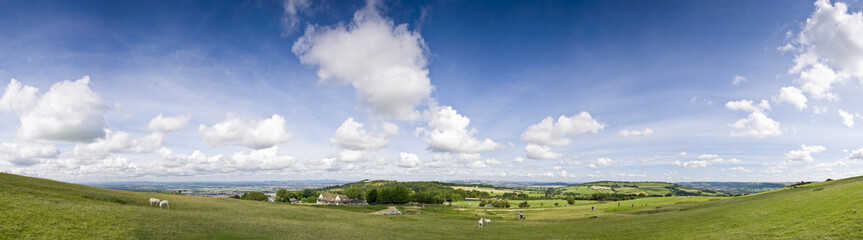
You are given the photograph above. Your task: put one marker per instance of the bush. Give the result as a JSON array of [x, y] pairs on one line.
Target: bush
[[524, 205], [557, 204], [310, 200], [570, 201]]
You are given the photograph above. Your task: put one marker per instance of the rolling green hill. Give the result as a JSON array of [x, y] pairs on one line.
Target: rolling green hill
[[654, 189], [45, 209]]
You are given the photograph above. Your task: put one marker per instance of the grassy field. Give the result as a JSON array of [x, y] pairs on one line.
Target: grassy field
[[631, 188], [44, 209], [533, 203]]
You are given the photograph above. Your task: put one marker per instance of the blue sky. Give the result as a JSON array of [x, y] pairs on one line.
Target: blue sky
[[437, 90]]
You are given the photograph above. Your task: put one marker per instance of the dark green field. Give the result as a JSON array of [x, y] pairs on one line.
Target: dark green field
[[44, 209]]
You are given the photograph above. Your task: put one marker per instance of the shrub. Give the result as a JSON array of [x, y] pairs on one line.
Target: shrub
[[310, 200], [524, 205]]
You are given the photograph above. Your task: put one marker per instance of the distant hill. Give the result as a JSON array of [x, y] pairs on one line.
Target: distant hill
[[737, 187], [650, 189]]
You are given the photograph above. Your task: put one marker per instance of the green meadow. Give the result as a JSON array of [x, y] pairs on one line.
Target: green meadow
[[32, 208]]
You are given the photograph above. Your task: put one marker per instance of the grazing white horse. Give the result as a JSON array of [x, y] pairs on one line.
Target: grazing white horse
[[164, 203], [154, 201], [480, 223], [486, 220]]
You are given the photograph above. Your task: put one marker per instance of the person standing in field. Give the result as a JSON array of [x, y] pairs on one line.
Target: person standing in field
[[520, 215], [591, 208]]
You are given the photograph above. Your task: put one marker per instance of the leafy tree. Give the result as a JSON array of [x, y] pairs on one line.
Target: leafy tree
[[282, 196], [310, 200], [570, 200], [309, 193], [354, 193], [372, 196], [524, 205], [257, 196], [397, 194]]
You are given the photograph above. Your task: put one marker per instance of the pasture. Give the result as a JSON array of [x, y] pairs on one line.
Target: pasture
[[44, 209], [482, 189], [532, 203]]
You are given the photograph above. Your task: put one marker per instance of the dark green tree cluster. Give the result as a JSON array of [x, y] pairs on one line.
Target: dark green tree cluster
[[427, 197], [257, 196], [283, 195], [397, 195], [496, 204], [524, 205], [386, 192], [516, 196]]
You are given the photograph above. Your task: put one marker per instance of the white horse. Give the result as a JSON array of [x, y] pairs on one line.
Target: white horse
[[480, 222], [487, 220], [164, 203], [154, 201]]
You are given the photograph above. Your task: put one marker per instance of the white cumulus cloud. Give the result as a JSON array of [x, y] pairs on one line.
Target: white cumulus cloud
[[791, 95], [409, 160], [551, 133], [384, 62], [540, 152], [26, 154], [691, 164], [69, 111], [856, 155], [168, 124], [118, 142], [448, 131], [601, 162], [353, 135], [199, 163], [748, 105], [757, 124], [829, 49], [847, 118], [804, 153], [256, 134]]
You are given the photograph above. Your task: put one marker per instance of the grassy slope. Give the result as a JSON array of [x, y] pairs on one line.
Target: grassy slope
[[38, 208], [657, 188]]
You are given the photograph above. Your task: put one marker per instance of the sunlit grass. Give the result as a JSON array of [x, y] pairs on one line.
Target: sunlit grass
[[43, 209]]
